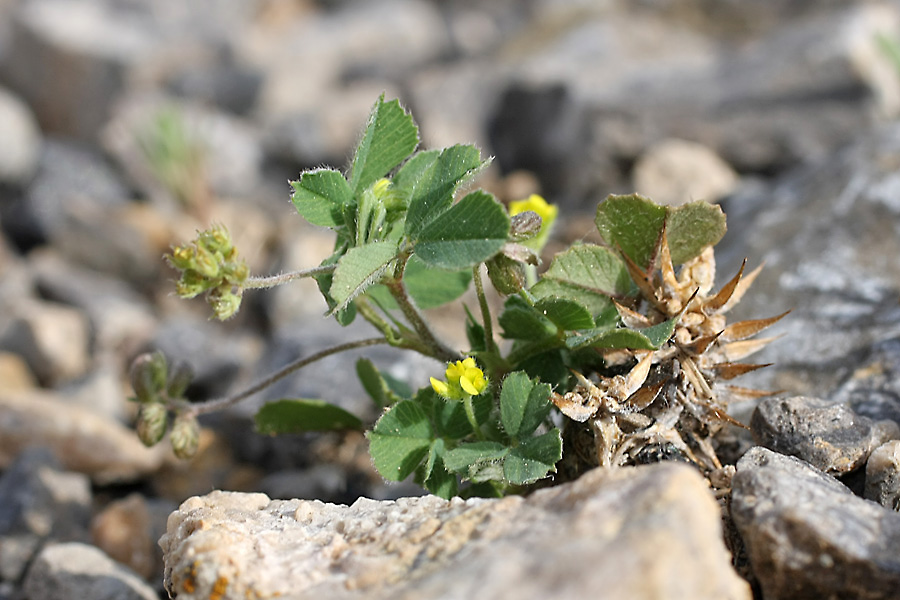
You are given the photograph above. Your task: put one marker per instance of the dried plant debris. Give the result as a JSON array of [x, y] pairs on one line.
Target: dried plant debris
[[667, 403]]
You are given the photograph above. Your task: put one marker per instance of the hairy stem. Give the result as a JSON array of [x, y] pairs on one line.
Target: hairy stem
[[486, 321], [436, 348], [282, 278], [222, 403], [470, 415]]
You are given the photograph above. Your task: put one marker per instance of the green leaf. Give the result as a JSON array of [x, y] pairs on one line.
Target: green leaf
[[448, 417], [692, 227], [520, 320], [548, 367], [390, 136], [650, 338], [565, 314], [440, 481], [470, 232], [359, 268], [524, 404], [430, 288], [592, 269], [320, 196], [431, 182], [465, 456], [596, 304], [381, 387], [298, 416], [533, 458], [400, 440], [631, 223]]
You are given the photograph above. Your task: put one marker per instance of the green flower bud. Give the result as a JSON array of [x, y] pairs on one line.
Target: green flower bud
[[235, 273], [191, 284], [507, 275], [180, 376], [206, 263], [224, 302], [185, 436], [148, 376], [216, 240], [182, 257], [151, 423]]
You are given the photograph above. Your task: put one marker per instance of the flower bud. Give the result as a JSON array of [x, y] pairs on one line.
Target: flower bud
[[224, 302], [524, 225], [507, 275], [151, 423], [191, 284], [206, 263], [182, 257], [180, 376], [185, 436], [148, 376]]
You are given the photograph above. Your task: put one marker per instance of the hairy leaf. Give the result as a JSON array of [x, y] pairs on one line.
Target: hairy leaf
[[470, 232], [650, 338], [595, 303], [533, 458], [320, 197], [390, 136], [591, 269], [565, 313], [300, 415], [692, 227], [632, 224], [524, 404], [462, 458], [520, 320], [400, 440], [381, 387], [359, 268]]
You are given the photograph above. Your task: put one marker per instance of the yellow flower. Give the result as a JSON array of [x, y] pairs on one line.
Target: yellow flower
[[464, 378], [546, 211]]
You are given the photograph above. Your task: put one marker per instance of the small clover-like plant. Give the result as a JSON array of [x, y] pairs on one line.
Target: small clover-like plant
[[623, 342]]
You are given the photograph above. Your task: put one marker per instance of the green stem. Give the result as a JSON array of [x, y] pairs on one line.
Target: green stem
[[486, 321], [282, 278], [470, 415], [222, 403], [436, 348]]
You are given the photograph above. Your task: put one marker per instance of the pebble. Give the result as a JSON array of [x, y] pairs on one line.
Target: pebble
[[128, 530], [883, 475], [20, 151], [831, 437], [808, 537], [75, 570], [675, 171], [649, 532]]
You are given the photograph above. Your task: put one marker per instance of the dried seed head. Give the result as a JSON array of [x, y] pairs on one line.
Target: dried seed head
[[151, 423], [185, 436]]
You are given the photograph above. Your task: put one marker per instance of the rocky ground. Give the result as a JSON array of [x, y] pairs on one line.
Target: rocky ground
[[784, 111]]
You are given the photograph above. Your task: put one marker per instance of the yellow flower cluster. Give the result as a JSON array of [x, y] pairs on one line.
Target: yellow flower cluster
[[464, 378]]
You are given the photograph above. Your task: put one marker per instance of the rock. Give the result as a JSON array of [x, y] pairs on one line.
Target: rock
[[127, 530], [15, 375], [80, 439], [873, 386], [830, 437], [39, 503], [634, 533], [69, 60], [52, 338], [21, 141], [808, 536], [73, 570], [827, 234], [674, 172], [883, 475]]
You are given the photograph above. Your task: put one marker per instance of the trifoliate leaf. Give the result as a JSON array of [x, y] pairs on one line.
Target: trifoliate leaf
[[390, 136], [592, 269], [320, 197], [650, 338], [522, 321], [565, 313], [465, 456], [430, 180], [533, 458], [631, 224], [359, 268], [400, 440], [300, 415], [524, 404], [470, 232], [595, 303]]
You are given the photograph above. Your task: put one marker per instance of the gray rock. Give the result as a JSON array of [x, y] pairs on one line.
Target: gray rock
[[808, 536], [39, 503], [675, 171], [73, 570], [873, 387], [54, 339], [69, 60], [634, 533], [829, 436], [883, 475], [80, 439], [21, 141]]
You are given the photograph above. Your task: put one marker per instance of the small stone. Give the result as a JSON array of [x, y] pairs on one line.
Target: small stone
[[52, 338], [14, 373], [807, 536], [80, 439], [74, 570], [127, 530], [648, 532], [829, 436], [39, 503], [675, 171], [883, 475], [21, 146]]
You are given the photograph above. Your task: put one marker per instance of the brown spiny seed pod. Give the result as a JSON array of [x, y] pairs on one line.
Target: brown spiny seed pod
[[148, 376], [185, 436], [151, 423]]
